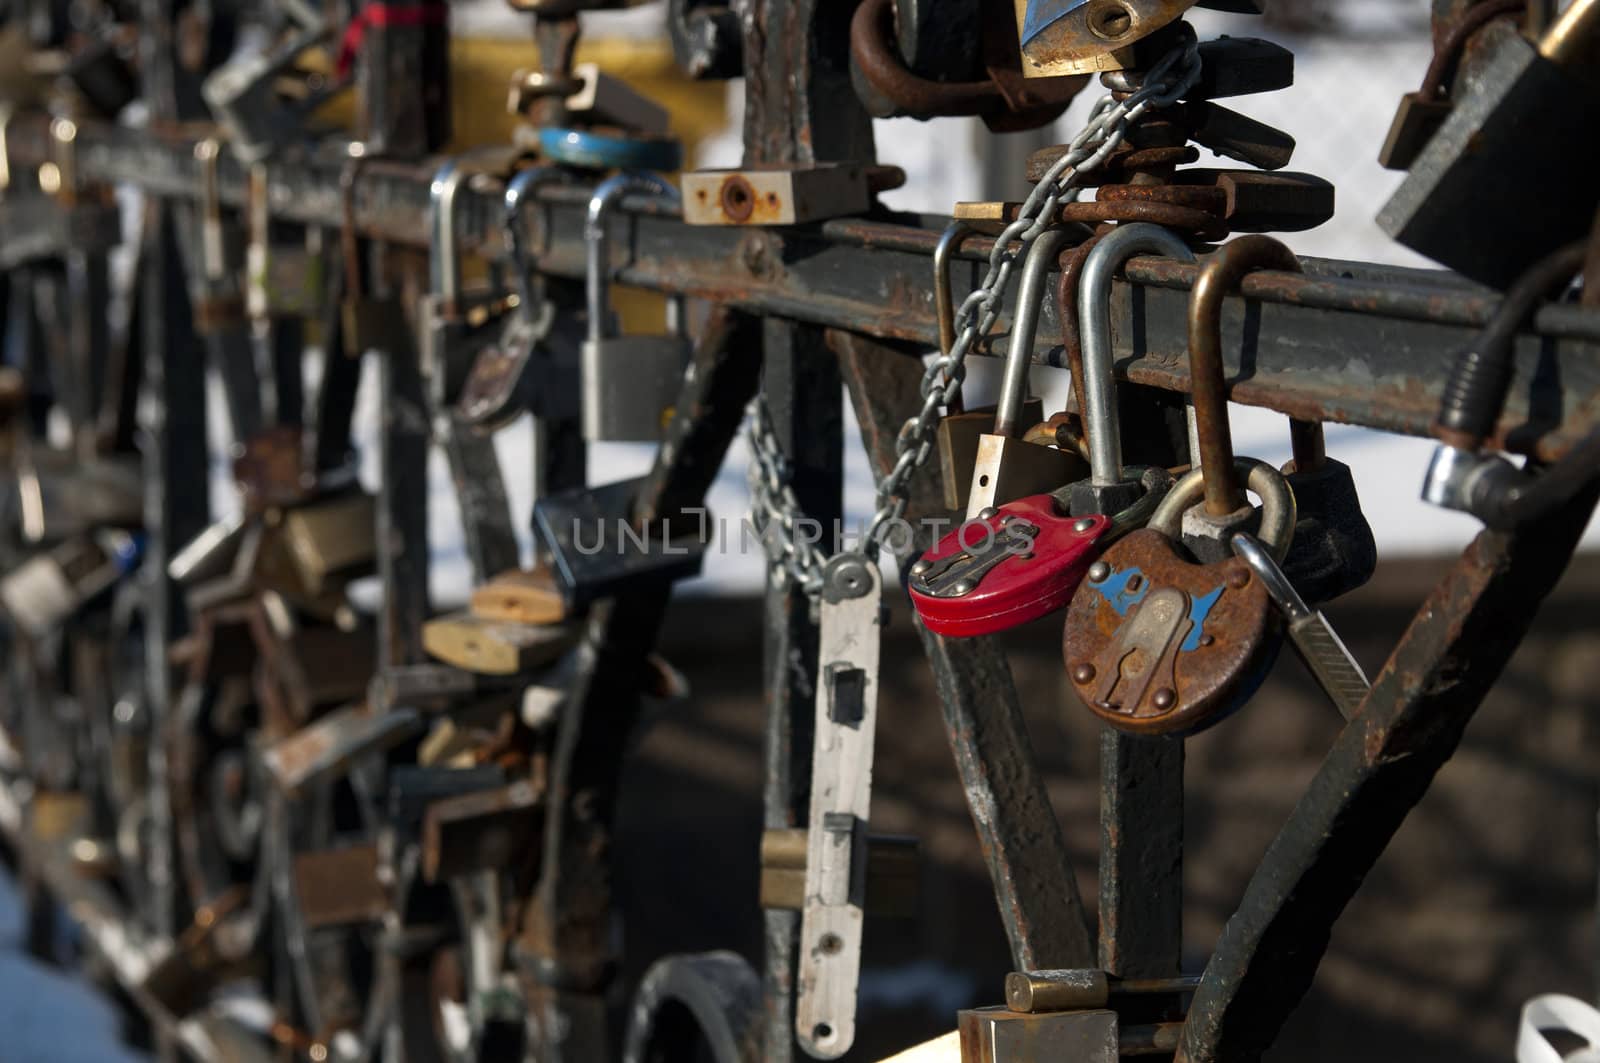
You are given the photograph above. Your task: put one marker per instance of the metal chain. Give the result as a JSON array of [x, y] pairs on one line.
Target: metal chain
[[774, 510]]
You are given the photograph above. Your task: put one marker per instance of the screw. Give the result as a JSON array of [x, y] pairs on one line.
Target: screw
[[1164, 698], [1083, 673], [920, 567], [988, 513], [1083, 525], [961, 587], [1099, 572]]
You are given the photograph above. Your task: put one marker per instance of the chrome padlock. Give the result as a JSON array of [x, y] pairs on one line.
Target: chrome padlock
[[1157, 644], [1109, 487], [1007, 467], [630, 383], [459, 323], [961, 428], [534, 364], [44, 591]]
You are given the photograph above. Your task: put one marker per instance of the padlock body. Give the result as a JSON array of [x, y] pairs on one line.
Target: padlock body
[[958, 446], [1022, 563], [630, 386], [1157, 645], [1007, 469]]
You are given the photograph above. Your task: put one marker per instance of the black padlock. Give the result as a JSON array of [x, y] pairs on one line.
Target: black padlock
[[1333, 551]]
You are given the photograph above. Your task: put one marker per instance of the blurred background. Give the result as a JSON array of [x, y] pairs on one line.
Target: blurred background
[[1485, 897]]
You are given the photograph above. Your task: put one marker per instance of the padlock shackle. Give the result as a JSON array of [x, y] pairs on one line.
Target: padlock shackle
[[1208, 382], [518, 189], [944, 253], [1025, 326], [597, 243], [444, 260], [1101, 418]]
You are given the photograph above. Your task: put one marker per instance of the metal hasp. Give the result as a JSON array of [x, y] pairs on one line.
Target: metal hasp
[[1523, 112], [841, 797]]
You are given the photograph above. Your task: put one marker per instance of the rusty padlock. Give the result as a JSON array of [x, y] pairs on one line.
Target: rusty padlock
[[1157, 644]]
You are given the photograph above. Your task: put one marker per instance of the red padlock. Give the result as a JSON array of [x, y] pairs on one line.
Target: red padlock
[[1013, 564]]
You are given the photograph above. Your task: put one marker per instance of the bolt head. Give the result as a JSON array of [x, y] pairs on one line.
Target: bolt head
[[1083, 673], [1239, 579], [1082, 525], [920, 567], [1099, 572], [1164, 698], [988, 513]]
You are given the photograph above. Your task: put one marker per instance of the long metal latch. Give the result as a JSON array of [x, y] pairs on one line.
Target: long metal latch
[[841, 794]]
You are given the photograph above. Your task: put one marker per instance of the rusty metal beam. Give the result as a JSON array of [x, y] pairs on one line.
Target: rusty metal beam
[[1380, 767], [565, 947], [1345, 342], [1034, 884]]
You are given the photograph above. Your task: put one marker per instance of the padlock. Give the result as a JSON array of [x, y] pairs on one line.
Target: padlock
[[1159, 644], [42, 592], [533, 365], [1156, 644], [1109, 488], [1024, 560], [1007, 468], [367, 322], [1467, 202], [1333, 550], [459, 323], [218, 305], [243, 92], [960, 428], [630, 383], [1091, 35], [1421, 113], [283, 278], [1019, 562]]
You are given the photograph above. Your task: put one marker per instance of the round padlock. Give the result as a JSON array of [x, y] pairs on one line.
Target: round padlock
[[1156, 644]]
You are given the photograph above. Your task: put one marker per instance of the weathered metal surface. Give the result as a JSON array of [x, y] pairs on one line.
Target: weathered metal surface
[[1034, 885], [1346, 343], [1379, 768], [565, 945]]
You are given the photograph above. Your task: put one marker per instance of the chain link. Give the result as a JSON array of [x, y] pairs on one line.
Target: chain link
[[774, 510]]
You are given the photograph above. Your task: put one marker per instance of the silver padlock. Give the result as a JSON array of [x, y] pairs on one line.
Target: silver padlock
[[630, 383], [533, 364], [44, 591], [459, 324]]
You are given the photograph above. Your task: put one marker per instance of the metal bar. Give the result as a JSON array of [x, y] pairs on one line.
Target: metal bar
[[1141, 855], [176, 507], [1034, 884], [803, 394], [566, 947], [1380, 767], [1344, 342]]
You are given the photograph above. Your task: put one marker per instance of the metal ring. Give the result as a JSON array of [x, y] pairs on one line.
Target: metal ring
[[604, 151], [1277, 503]]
